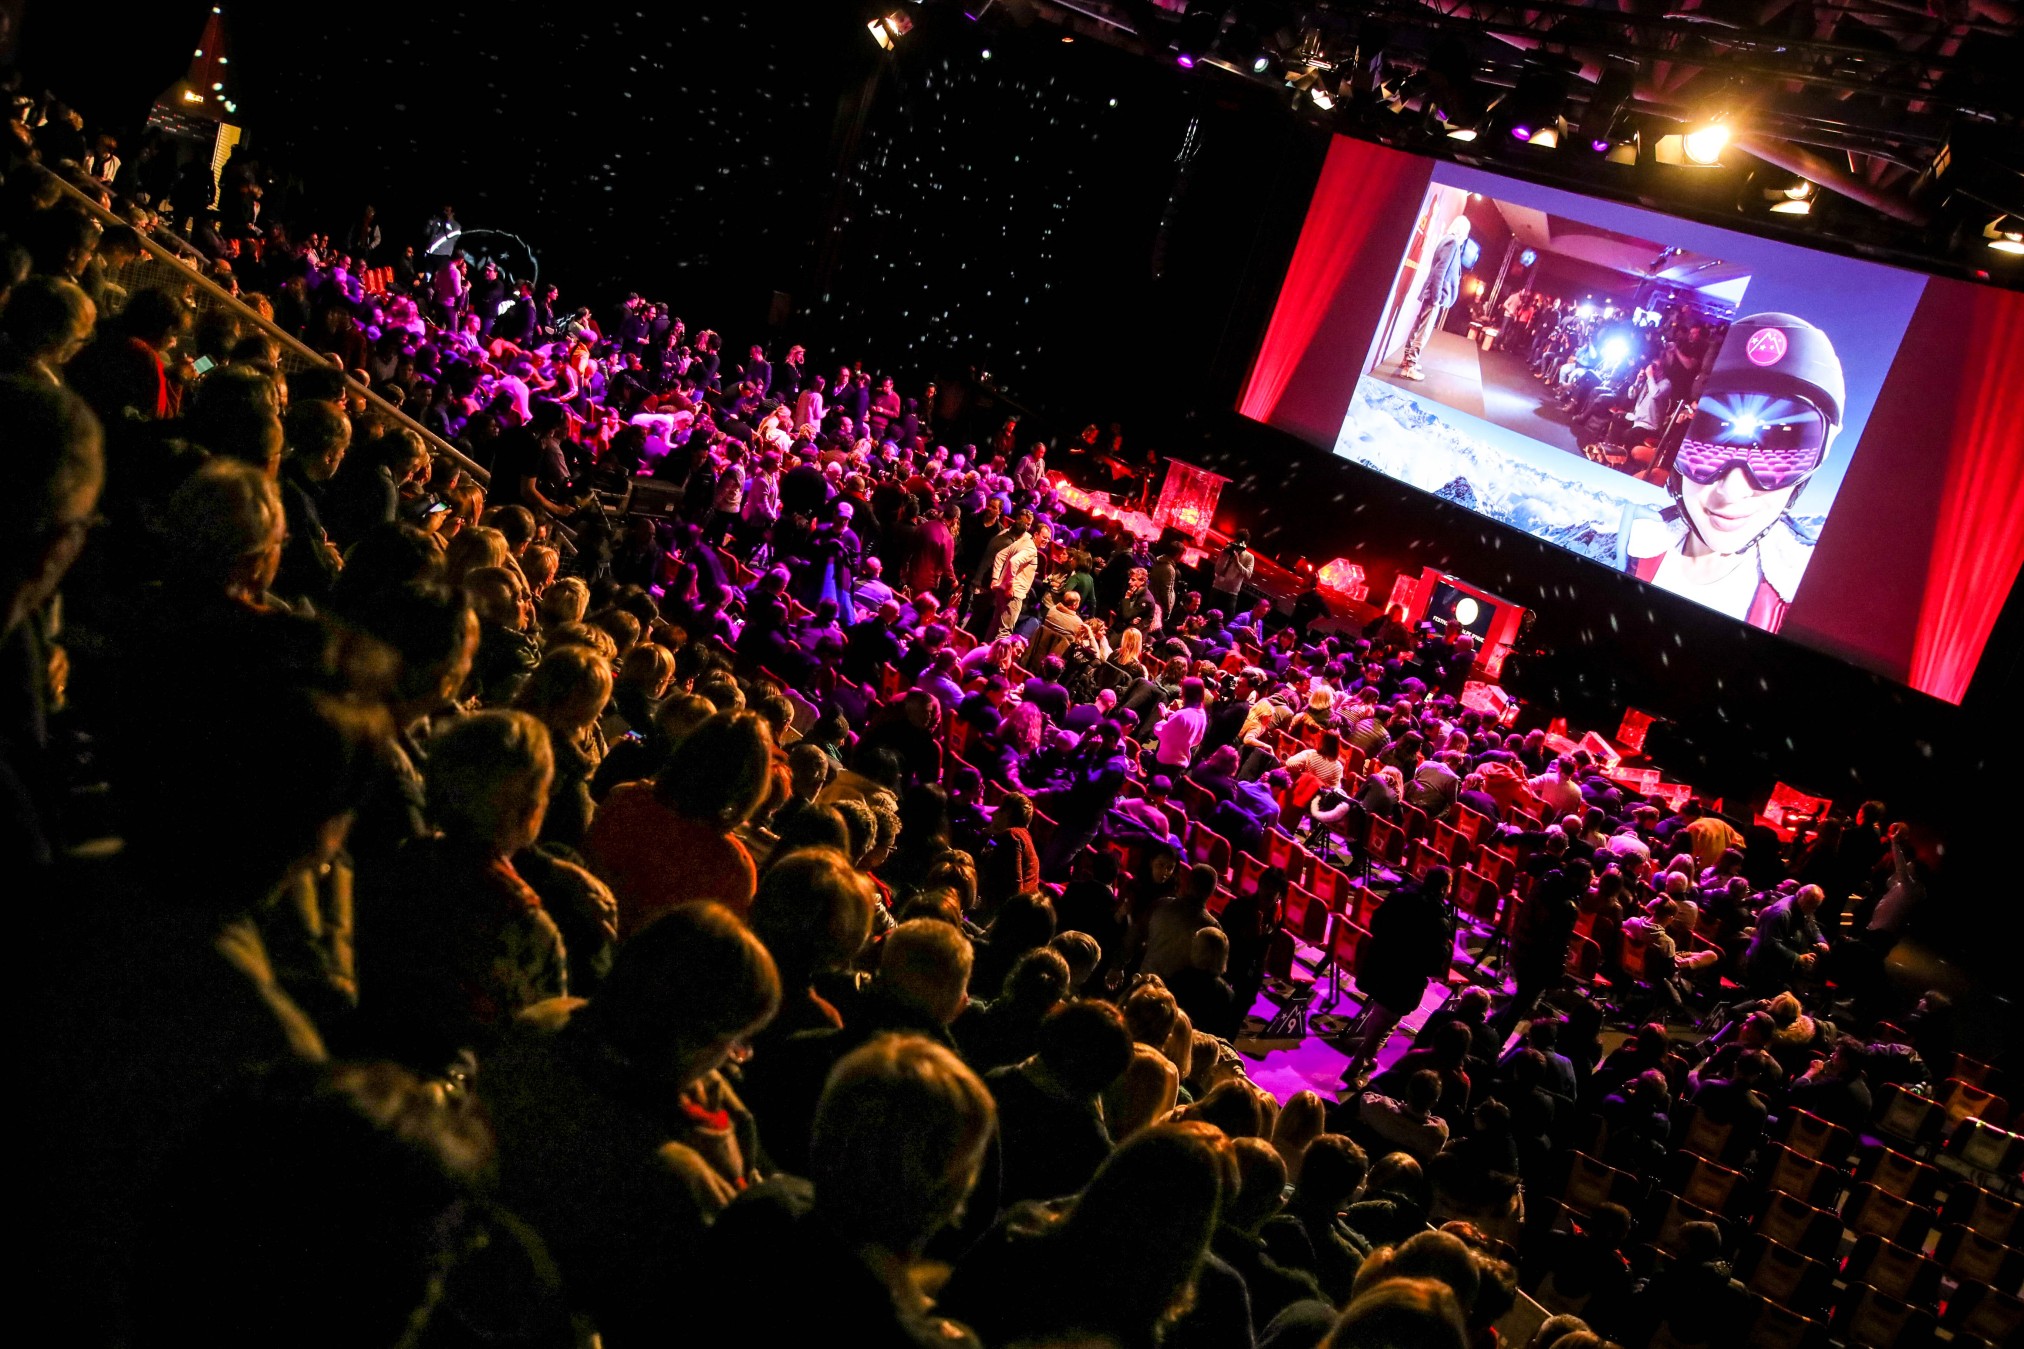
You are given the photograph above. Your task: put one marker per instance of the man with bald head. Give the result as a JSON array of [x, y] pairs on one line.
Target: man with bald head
[[1788, 943]]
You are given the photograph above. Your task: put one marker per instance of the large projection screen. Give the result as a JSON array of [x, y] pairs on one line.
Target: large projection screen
[[1818, 446]]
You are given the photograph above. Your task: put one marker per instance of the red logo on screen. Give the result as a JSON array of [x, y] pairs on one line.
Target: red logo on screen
[[1766, 346]]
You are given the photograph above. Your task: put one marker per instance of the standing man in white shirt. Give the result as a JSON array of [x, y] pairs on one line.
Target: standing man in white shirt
[[1012, 574]]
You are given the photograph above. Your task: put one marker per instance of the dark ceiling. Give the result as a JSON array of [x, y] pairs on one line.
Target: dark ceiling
[[1895, 123]]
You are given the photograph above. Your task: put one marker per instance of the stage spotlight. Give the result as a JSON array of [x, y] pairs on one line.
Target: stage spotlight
[[1779, 191], [1532, 110], [889, 28], [1466, 611], [1451, 87], [1615, 350], [1199, 29], [2005, 234], [986, 53], [1260, 63], [1612, 96], [1704, 144]]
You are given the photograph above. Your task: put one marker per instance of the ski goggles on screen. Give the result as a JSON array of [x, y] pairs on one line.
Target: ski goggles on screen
[[1777, 442]]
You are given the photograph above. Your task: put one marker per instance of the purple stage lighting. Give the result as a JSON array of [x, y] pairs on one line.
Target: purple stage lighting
[[1521, 133], [1600, 147], [1187, 61]]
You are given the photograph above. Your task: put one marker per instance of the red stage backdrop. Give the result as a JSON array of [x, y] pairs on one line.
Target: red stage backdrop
[[1980, 540], [1366, 195]]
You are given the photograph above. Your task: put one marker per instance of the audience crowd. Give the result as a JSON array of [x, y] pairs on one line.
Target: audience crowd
[[752, 869]]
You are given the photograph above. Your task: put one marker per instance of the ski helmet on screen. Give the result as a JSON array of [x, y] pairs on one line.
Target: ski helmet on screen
[[1785, 356], [1781, 354]]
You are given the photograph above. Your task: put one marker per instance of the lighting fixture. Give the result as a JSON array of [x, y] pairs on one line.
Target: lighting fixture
[[2005, 234], [1704, 144], [889, 28]]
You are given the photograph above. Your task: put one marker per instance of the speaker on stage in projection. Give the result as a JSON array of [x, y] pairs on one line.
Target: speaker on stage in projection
[[1438, 293]]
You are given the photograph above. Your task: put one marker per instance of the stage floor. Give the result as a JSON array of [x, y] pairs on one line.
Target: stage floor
[[1494, 385]]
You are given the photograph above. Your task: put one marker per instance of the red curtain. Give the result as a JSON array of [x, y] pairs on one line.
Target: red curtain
[[1979, 543], [1358, 185]]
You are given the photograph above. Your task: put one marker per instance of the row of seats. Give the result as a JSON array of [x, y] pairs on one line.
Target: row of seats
[[1883, 1253]]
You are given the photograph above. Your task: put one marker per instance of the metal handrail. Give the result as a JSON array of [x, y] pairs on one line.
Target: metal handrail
[[292, 345]]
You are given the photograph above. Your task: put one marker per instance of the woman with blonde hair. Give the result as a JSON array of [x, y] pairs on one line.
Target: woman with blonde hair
[[567, 693], [644, 677], [475, 546], [1128, 655], [1303, 1119]]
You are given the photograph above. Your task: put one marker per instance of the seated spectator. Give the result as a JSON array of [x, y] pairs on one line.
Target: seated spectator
[[1689, 1294], [1734, 1102], [1149, 1089], [1409, 1124], [566, 693], [1122, 1262], [1202, 991], [1476, 1174], [813, 910], [507, 649], [1050, 1110], [1008, 864], [1389, 1313], [1260, 1194], [453, 943], [1835, 1088], [1217, 773], [1171, 924], [1006, 1030], [1584, 1270], [1023, 923], [1639, 1119], [1045, 690], [1148, 812], [618, 1138], [897, 1142], [917, 989], [358, 1173], [1310, 1233], [670, 841]]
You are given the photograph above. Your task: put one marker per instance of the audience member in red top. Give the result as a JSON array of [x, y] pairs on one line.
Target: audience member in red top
[[671, 841]]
